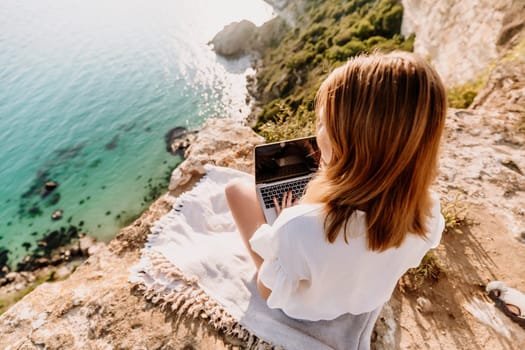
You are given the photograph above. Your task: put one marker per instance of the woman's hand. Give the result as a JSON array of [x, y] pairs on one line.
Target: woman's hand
[[287, 202]]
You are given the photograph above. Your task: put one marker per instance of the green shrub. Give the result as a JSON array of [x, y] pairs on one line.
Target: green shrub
[[289, 124], [352, 48], [455, 213], [269, 112], [319, 16], [293, 102], [408, 43], [363, 29], [386, 18], [355, 47], [344, 36], [397, 42], [321, 47], [391, 21], [354, 5], [336, 53], [300, 59], [374, 40], [313, 34], [462, 96], [386, 45]]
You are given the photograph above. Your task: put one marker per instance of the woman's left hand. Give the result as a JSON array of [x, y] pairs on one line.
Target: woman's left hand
[[287, 202]]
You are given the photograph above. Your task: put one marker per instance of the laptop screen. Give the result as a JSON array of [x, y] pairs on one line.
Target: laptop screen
[[286, 159]]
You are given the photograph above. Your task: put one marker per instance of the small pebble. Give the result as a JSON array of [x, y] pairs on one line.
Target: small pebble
[[424, 305]]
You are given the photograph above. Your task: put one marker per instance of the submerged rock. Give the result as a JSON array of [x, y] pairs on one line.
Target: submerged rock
[[57, 214], [178, 140], [58, 238], [55, 248], [67, 153], [54, 199], [111, 145], [3, 258], [38, 183], [49, 187], [34, 211]]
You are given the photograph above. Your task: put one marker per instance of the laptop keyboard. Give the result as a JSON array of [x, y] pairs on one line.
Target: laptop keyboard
[[268, 192]]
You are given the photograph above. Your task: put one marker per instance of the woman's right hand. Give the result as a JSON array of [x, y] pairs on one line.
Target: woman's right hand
[[287, 202]]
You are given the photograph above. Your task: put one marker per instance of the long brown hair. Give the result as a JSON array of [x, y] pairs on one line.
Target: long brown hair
[[384, 116]]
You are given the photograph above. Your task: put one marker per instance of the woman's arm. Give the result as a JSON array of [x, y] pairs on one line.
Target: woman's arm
[[264, 292], [248, 215]]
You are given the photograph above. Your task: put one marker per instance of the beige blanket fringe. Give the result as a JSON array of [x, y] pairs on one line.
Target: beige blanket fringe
[[189, 299]]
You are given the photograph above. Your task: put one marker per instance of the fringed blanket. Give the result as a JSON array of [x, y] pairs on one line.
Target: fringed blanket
[[195, 264]]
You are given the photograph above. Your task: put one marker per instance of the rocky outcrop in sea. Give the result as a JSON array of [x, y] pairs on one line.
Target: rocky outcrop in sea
[[241, 38]]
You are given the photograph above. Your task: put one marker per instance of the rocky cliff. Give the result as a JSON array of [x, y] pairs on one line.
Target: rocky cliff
[[462, 38], [96, 307]]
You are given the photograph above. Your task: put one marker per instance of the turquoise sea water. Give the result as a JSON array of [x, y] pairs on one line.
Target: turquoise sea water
[[88, 90]]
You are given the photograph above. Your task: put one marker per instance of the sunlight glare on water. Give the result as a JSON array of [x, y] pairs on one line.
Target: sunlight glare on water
[[88, 90]]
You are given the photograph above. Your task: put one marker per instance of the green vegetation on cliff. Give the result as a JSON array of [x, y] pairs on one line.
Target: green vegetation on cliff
[[462, 96], [328, 34]]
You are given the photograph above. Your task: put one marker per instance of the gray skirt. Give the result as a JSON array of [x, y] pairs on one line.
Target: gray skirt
[[347, 332]]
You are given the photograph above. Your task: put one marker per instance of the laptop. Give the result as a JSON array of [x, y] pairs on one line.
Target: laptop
[[284, 166]]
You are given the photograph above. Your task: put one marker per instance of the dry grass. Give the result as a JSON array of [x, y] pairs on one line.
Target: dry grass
[[428, 270], [516, 54], [462, 96], [455, 213], [289, 125]]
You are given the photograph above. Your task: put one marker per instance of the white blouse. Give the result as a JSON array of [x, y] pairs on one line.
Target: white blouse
[[313, 279]]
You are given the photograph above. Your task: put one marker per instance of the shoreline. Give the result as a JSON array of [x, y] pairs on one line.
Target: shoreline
[[80, 210], [58, 254], [51, 265], [98, 293]]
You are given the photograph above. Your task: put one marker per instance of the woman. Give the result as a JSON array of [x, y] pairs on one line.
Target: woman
[[367, 216]]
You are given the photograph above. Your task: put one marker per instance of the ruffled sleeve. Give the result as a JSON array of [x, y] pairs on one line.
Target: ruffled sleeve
[[435, 227], [284, 270], [261, 241]]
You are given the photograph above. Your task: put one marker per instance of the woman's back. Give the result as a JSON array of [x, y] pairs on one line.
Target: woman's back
[[313, 279]]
